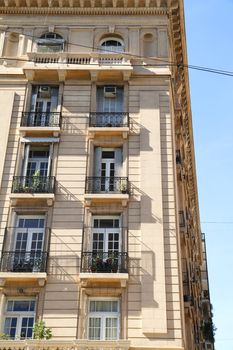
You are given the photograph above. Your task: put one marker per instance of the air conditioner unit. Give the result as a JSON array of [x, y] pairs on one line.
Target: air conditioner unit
[[44, 91], [110, 91]]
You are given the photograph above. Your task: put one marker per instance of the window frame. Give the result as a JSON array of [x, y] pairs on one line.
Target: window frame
[[103, 316], [19, 315], [102, 48]]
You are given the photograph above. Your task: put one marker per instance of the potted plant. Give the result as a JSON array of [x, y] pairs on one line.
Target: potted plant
[[36, 181], [40, 331], [123, 187]]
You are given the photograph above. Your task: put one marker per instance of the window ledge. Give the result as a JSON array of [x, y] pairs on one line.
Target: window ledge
[[15, 198], [122, 278], [11, 277]]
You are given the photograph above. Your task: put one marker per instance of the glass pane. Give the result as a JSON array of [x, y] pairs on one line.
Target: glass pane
[[21, 305], [94, 328], [10, 326], [104, 306], [26, 329], [108, 154], [111, 328]]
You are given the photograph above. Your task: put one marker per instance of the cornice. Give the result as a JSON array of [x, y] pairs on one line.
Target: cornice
[[83, 11], [176, 16]]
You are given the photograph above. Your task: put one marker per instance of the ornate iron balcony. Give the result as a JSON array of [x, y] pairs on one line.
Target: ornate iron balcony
[[24, 261], [98, 184], [33, 184], [109, 119], [41, 119], [102, 262]]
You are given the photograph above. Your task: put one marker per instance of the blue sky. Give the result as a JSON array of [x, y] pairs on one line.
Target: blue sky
[[209, 30]]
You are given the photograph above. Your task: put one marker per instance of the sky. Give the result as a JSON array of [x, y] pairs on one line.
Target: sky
[[209, 30]]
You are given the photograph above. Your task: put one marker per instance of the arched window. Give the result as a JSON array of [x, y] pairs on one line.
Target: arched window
[[111, 45], [50, 42]]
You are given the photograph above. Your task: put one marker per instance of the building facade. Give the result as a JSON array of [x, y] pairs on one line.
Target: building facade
[[100, 232]]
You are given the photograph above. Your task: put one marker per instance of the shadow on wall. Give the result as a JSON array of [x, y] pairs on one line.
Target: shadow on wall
[[64, 267], [71, 128]]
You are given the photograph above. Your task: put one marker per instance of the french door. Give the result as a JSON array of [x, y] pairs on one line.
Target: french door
[[106, 243], [42, 110], [110, 107], [108, 168], [28, 245]]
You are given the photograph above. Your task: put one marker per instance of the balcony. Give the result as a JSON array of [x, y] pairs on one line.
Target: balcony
[[40, 123], [73, 65], [106, 189], [79, 344], [23, 266], [33, 187], [24, 261], [104, 267], [109, 124]]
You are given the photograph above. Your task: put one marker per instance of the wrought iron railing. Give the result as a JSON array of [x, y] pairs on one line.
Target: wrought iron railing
[[24, 261], [109, 119], [41, 119], [104, 262], [33, 184], [100, 184]]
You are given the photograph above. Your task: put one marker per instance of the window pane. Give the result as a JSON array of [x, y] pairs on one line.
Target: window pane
[[26, 329], [111, 328], [10, 326], [103, 306], [94, 328], [20, 305]]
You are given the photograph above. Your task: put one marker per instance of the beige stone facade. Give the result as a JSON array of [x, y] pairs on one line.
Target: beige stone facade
[[100, 233]]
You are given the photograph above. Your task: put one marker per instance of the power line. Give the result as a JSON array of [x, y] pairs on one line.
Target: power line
[[217, 222], [164, 64]]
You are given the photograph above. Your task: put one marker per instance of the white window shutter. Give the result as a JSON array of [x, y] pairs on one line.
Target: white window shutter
[[51, 147], [97, 162], [54, 99], [118, 162], [34, 98], [25, 159]]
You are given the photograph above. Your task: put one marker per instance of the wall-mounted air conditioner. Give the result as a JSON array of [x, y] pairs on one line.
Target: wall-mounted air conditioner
[[110, 91], [44, 91]]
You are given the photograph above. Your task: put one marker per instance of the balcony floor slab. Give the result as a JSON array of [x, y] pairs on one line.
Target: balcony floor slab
[[15, 277], [100, 198]]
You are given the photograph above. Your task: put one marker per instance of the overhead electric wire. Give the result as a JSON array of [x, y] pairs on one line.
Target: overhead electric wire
[[164, 64]]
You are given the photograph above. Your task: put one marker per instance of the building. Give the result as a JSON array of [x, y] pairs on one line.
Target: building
[[100, 231]]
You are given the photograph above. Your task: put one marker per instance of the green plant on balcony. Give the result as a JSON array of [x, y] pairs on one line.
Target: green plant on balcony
[[123, 186], [36, 181], [4, 336], [40, 331], [208, 331]]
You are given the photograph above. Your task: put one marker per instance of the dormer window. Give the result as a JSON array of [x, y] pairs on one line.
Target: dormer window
[[113, 45], [50, 42]]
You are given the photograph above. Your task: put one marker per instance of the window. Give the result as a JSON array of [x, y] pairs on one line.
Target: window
[[19, 318], [106, 235], [27, 244], [113, 45], [103, 319], [50, 42]]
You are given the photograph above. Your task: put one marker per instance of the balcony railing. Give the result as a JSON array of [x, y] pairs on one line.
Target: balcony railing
[[109, 119], [24, 261], [41, 119], [98, 184], [33, 184], [104, 262]]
